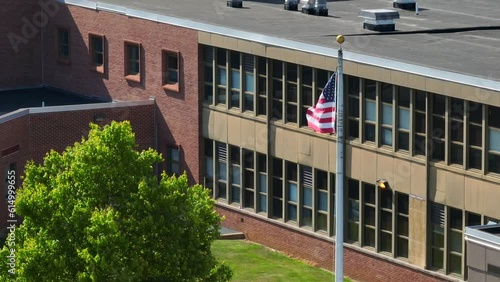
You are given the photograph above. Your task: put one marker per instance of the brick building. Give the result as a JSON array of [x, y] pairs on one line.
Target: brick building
[[231, 88]]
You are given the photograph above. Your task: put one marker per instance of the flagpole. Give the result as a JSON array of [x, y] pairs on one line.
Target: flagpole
[[339, 178]]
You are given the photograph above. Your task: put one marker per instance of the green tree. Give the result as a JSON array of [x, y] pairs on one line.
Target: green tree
[[97, 212]]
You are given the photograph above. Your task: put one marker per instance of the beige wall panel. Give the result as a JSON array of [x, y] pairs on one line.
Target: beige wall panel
[[434, 85], [365, 71], [247, 131], [382, 74], [417, 231], [452, 89], [399, 78], [274, 52], [234, 130], [204, 37], [305, 144], [437, 196], [220, 127], [352, 161], [261, 138], [418, 180], [402, 176], [288, 55], [318, 61], [490, 97], [231, 43], [302, 58], [471, 93], [455, 189], [207, 124], [384, 167], [331, 63], [416, 82], [473, 198], [437, 179], [350, 68], [251, 47], [290, 145], [276, 146], [217, 40], [368, 171], [491, 197], [332, 153], [321, 153]]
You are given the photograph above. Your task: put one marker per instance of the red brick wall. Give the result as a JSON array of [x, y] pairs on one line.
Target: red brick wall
[[20, 43], [177, 113], [357, 265]]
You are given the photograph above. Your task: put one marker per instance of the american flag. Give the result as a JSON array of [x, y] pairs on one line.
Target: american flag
[[321, 118]]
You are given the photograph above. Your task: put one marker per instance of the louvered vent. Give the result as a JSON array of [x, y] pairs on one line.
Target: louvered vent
[[248, 63], [437, 214], [221, 152], [307, 176]]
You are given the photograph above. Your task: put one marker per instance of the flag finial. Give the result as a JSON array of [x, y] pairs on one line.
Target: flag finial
[[340, 39]]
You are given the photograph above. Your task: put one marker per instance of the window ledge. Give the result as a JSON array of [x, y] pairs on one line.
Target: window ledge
[[133, 78], [98, 69], [171, 87]]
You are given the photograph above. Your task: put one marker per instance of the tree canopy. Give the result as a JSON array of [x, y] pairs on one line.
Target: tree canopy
[[97, 212]]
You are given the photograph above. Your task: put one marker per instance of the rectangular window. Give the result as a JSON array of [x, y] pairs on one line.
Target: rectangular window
[[248, 83], [277, 188], [249, 179], [402, 225], [97, 52], [63, 45], [209, 165], [291, 93], [173, 164], [386, 229], [352, 211], [277, 91], [387, 115], [403, 112], [456, 127], [438, 127], [235, 80], [475, 135], [369, 215], [321, 184], [221, 170], [262, 182], [170, 70], [133, 61], [493, 139], [370, 92], [235, 174], [306, 97], [208, 74], [419, 118], [437, 236], [262, 86], [292, 191], [353, 107], [221, 76]]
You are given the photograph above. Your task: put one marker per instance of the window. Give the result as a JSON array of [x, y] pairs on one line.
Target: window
[[420, 102], [96, 43], [277, 90], [403, 112], [438, 127], [456, 125], [221, 78], [369, 215], [262, 185], [262, 86], [306, 96], [173, 160], [352, 211], [387, 115], [437, 235], [307, 196], [353, 107], [170, 70], [208, 74], [291, 93], [292, 191], [370, 91], [234, 153], [235, 81], [277, 188], [248, 179], [63, 45], [493, 139], [209, 165], [475, 135], [321, 184], [402, 225], [133, 61], [221, 172], [248, 83]]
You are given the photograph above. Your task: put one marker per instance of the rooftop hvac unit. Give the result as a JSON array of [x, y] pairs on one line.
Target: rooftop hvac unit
[[379, 19], [404, 4], [314, 7], [235, 3]]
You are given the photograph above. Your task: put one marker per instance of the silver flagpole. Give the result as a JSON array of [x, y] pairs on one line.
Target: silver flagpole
[[339, 195]]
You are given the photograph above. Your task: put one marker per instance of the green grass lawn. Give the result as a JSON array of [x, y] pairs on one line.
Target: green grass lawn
[[252, 263]]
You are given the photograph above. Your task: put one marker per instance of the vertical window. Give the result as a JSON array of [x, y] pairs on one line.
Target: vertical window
[[221, 167], [234, 153], [456, 124], [437, 236], [370, 91], [277, 189], [475, 134], [402, 228], [63, 45], [386, 227], [307, 196], [209, 164], [208, 74], [277, 90], [438, 127], [369, 215], [455, 241], [235, 81], [96, 48], [403, 134], [291, 93], [262, 184], [353, 211], [262, 86], [248, 179], [306, 96], [133, 61], [321, 184], [170, 70], [292, 191], [353, 106], [494, 139], [221, 78], [387, 116], [173, 166], [420, 123], [249, 83]]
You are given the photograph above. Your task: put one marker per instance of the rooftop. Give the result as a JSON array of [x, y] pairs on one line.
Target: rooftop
[[452, 35], [11, 100]]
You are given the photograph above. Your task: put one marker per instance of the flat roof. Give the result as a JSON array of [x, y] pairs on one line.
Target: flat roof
[[451, 35], [12, 100]]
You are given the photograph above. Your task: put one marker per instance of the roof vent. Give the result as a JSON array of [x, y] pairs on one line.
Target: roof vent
[[235, 3], [379, 19], [404, 4]]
